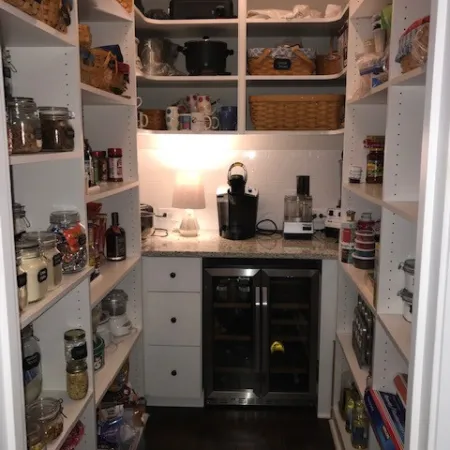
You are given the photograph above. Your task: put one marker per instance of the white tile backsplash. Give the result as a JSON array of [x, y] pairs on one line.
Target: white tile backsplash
[[273, 172]]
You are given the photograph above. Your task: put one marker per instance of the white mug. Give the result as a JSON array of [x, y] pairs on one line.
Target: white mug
[[139, 102], [172, 117], [142, 120], [203, 122]]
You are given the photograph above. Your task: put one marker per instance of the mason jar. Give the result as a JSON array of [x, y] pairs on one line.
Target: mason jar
[[31, 363], [48, 412], [71, 236], [22, 294], [25, 125], [35, 436], [21, 223], [58, 134], [77, 379], [75, 345]]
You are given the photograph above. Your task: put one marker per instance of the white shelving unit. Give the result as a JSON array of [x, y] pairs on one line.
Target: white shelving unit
[[47, 64]]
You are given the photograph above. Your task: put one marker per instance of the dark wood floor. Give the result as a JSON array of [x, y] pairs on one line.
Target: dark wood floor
[[235, 429]]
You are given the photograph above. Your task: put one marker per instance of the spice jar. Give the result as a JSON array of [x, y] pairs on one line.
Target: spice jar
[[35, 265], [48, 412], [71, 237], [75, 344], [31, 363], [22, 294], [21, 223], [25, 125], [115, 164], [57, 132], [35, 436], [47, 241], [375, 164], [100, 166], [365, 223], [77, 379]]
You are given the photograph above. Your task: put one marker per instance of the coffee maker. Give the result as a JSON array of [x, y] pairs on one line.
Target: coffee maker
[[298, 219], [237, 206]]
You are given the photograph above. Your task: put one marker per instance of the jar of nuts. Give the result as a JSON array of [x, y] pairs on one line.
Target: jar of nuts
[[25, 125], [35, 436], [77, 379], [48, 412], [57, 132]]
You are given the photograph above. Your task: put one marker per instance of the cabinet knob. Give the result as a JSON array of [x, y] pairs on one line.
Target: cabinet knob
[[173, 319], [173, 274], [173, 373]]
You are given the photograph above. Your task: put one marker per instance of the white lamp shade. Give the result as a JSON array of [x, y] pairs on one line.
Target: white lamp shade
[[189, 196]]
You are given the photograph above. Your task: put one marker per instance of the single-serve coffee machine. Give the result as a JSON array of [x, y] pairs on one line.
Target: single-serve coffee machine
[[298, 217]]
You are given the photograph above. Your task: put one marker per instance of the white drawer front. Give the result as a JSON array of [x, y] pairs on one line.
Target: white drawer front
[[173, 372], [173, 274], [173, 318]]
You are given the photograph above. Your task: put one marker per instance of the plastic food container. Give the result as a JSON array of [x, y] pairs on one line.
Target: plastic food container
[[365, 253], [96, 317], [407, 298], [48, 412], [408, 267], [120, 325], [364, 245], [363, 263], [365, 236], [99, 353], [115, 302]]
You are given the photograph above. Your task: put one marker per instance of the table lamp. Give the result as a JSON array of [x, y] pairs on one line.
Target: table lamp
[[189, 195]]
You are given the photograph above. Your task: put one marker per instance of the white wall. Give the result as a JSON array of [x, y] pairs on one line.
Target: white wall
[[273, 172]]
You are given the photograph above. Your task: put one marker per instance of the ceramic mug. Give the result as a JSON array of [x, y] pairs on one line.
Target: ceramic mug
[[139, 102], [142, 120], [184, 121], [228, 118], [172, 118], [191, 101], [204, 104], [203, 122]]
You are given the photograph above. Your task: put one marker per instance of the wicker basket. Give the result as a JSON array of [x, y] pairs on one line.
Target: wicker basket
[[156, 119], [84, 36], [99, 74], [296, 112], [266, 63], [329, 64], [127, 4], [47, 11]]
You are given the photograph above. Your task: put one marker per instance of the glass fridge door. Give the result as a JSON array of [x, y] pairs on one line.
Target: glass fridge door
[[290, 300], [231, 335]]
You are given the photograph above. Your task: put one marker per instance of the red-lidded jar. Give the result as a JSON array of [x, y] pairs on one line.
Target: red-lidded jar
[[115, 164]]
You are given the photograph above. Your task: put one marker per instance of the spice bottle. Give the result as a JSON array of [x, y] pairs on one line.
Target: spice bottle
[[77, 379], [375, 165], [100, 166], [115, 164]]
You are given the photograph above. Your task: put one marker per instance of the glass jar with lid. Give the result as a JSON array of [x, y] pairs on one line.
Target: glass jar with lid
[[71, 236], [25, 125], [48, 412], [57, 132], [77, 379], [22, 294], [47, 241], [31, 363], [35, 265], [21, 223], [35, 436], [75, 344]]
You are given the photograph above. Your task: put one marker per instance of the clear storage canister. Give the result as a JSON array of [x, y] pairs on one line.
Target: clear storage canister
[[21, 222], [71, 236], [25, 125], [22, 294], [31, 363], [57, 132], [35, 436], [77, 379], [35, 265], [47, 241], [75, 344], [48, 412]]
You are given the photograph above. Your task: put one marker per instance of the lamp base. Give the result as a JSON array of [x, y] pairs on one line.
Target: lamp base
[[189, 225]]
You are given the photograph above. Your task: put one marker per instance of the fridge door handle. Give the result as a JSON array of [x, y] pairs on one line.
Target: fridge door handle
[[265, 340]]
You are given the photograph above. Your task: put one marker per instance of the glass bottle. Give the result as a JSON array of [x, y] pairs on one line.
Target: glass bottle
[[360, 427], [31, 362], [88, 164], [115, 240], [94, 256]]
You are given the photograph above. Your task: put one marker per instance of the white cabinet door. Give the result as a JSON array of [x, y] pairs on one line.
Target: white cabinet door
[[173, 274], [173, 318], [173, 372]]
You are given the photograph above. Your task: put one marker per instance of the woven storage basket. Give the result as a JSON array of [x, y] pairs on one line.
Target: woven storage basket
[[328, 64], [156, 119], [296, 112], [99, 74], [84, 36], [264, 64], [127, 4]]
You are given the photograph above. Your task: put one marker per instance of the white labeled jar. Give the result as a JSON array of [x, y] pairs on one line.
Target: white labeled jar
[[35, 265], [47, 242], [31, 362], [22, 294]]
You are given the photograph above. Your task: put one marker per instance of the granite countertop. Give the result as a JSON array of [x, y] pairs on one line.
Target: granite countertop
[[210, 245]]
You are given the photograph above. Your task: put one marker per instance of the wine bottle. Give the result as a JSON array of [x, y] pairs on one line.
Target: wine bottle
[[116, 249]]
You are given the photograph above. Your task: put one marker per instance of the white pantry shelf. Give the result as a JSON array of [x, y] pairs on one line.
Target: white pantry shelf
[[42, 157], [93, 96], [362, 283], [73, 409], [111, 274], [108, 189], [114, 359], [339, 131], [359, 375], [178, 81], [415, 77], [21, 30], [312, 78], [185, 132], [399, 330], [36, 309], [102, 11], [377, 95]]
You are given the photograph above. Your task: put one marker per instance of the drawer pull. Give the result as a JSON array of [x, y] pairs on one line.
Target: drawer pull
[[173, 274], [173, 320], [173, 373]]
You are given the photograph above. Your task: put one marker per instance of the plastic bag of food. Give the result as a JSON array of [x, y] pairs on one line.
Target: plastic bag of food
[[158, 57]]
